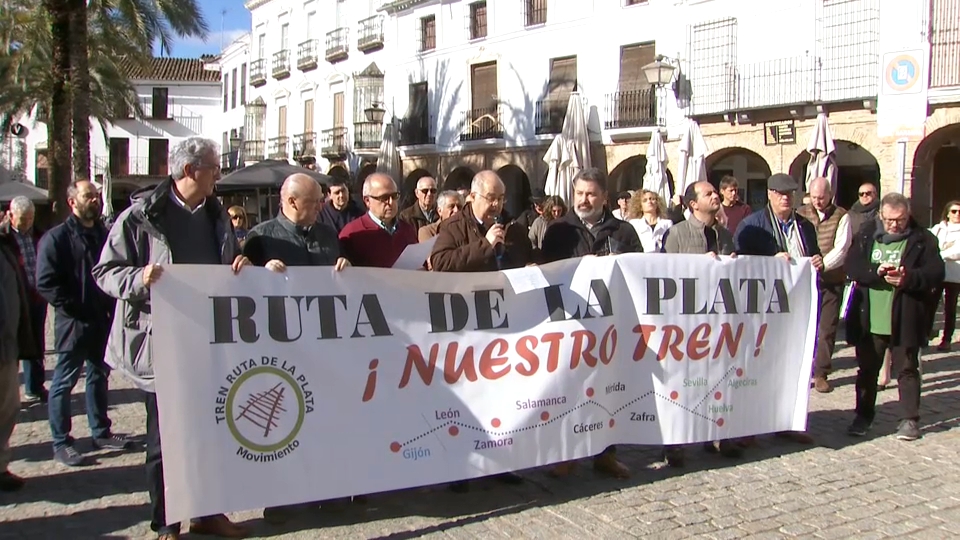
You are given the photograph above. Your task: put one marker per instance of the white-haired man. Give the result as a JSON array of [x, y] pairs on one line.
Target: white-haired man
[[377, 238], [424, 211], [21, 237], [449, 203], [195, 230]]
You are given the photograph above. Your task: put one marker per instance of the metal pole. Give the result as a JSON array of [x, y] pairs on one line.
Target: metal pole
[[901, 165]]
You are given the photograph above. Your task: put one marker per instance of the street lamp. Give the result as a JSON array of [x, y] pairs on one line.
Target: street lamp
[[235, 143], [659, 73], [375, 113]]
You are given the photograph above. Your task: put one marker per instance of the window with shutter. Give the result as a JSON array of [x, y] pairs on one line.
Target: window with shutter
[[634, 104], [159, 150], [563, 81], [478, 20], [428, 33]]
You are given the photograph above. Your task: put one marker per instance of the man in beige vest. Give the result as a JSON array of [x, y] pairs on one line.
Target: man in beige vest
[[834, 237]]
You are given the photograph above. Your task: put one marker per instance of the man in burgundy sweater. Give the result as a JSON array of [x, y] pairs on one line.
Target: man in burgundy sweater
[[377, 238], [733, 207]]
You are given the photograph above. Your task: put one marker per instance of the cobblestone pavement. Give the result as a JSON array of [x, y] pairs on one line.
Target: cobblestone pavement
[[842, 487]]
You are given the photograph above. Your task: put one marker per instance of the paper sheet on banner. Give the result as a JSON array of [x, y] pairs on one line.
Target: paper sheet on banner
[[415, 255], [266, 386]]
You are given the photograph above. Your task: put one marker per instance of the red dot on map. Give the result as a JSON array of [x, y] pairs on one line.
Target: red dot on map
[[611, 422], [495, 422], [544, 416], [454, 431], [717, 396], [395, 447], [674, 395], [720, 422], [589, 392], [739, 372]]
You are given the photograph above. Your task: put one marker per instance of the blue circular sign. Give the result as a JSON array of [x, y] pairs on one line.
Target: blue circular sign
[[902, 72]]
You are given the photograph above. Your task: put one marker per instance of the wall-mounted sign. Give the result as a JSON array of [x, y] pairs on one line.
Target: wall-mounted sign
[[783, 132]]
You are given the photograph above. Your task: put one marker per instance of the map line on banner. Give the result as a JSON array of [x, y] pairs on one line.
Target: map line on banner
[[546, 419]]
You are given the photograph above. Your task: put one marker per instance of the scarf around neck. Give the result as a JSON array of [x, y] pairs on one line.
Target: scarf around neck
[[781, 236], [882, 236]]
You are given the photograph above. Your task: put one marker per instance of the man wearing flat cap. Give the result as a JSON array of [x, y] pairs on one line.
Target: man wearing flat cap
[[778, 231], [531, 214]]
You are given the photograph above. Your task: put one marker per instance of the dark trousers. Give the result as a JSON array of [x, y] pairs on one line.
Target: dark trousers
[[65, 377], [34, 374], [158, 514], [950, 293], [828, 318], [905, 364]]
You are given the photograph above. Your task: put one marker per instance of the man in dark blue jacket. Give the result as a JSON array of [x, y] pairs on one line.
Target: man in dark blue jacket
[[83, 315], [778, 231]]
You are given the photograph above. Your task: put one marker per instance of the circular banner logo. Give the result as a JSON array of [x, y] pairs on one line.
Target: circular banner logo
[[902, 72], [265, 409]]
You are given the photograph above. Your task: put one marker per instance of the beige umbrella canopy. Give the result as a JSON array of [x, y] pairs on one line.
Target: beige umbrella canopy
[[655, 179], [569, 153], [823, 160]]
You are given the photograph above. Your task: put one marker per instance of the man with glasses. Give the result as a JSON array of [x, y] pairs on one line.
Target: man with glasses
[[424, 211], [378, 237], [778, 231], [866, 207], [895, 264]]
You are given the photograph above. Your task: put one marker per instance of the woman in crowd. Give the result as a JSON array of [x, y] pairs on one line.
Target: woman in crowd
[[948, 234], [238, 217], [647, 215], [553, 208]]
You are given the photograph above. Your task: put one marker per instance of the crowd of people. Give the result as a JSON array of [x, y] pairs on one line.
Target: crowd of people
[[891, 271]]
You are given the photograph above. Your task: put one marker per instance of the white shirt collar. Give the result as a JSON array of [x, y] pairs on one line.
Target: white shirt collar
[[183, 204]]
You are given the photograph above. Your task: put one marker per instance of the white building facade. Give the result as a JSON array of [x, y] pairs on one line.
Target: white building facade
[[484, 84]]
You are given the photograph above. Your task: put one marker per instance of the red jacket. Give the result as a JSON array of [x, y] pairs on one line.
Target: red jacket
[[364, 243]]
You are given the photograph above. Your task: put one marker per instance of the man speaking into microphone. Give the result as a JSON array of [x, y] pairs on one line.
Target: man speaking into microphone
[[477, 239]]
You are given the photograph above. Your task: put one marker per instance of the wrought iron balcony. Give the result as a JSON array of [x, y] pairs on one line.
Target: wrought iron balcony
[[307, 55], [945, 44], [367, 135], [338, 48], [333, 143], [253, 150], [776, 83], [479, 124], [230, 161], [371, 34], [119, 166], [550, 115], [417, 130], [278, 148], [281, 64], [632, 109], [305, 145], [258, 72]]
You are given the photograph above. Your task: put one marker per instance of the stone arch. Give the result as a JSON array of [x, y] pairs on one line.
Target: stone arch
[[407, 195], [366, 170], [936, 166], [627, 175], [855, 166], [459, 178], [749, 168], [518, 192]]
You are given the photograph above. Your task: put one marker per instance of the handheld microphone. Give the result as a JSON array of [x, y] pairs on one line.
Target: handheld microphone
[[499, 248]]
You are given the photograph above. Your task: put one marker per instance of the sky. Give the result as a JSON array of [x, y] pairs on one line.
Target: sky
[[234, 23]]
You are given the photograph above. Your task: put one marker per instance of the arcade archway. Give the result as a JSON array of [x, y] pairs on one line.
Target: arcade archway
[[747, 166], [628, 175], [459, 178], [936, 168], [410, 185], [855, 166], [518, 192]]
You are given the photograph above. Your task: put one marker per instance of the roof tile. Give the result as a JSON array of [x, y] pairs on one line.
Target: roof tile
[[171, 69]]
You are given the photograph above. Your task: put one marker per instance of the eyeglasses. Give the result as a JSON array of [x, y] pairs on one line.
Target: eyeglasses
[[428, 190], [236, 218], [386, 197], [866, 193], [894, 221], [493, 198], [955, 210]]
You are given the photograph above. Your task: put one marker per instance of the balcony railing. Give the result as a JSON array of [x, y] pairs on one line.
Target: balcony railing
[[253, 150], [367, 135], [371, 34], [417, 130], [338, 48], [131, 166], [307, 55], [479, 124], [305, 145], [632, 109], [281, 64], [779, 82], [550, 114], [258, 72], [945, 44], [230, 160], [333, 143], [277, 148]]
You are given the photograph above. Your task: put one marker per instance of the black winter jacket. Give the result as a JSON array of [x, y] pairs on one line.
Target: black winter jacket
[[568, 238]]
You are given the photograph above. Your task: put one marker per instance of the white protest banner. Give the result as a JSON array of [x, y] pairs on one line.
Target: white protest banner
[[278, 389]]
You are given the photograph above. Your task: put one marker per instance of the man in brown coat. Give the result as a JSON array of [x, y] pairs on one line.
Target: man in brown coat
[[448, 204], [424, 211], [478, 238]]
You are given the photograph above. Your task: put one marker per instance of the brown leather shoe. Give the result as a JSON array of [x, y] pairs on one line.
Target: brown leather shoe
[[606, 463], [562, 470], [218, 525], [821, 385], [800, 437]]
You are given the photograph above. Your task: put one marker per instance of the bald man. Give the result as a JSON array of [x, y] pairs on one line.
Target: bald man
[[424, 211], [478, 239], [377, 238], [295, 237], [834, 236]]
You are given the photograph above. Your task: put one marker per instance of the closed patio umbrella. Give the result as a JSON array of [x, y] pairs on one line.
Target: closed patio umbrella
[[655, 177], [823, 160], [692, 166], [569, 153], [388, 158]]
